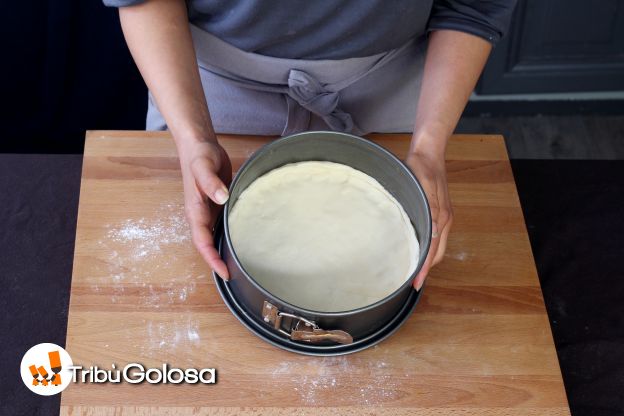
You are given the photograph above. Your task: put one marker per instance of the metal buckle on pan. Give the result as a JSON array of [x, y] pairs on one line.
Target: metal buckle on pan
[[309, 332]]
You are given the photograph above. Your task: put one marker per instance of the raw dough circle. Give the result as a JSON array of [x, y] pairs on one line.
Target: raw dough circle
[[323, 236]]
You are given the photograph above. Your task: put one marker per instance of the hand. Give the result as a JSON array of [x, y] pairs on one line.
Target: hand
[[206, 169], [430, 170]]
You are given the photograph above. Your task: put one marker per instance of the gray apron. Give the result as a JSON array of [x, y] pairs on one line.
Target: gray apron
[[248, 93]]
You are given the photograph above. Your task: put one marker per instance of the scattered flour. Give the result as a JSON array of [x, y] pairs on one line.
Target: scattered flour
[[145, 238], [372, 379], [149, 248], [150, 267], [461, 256], [166, 336]]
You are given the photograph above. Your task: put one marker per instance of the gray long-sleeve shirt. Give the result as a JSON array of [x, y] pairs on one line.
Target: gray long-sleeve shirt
[[338, 29]]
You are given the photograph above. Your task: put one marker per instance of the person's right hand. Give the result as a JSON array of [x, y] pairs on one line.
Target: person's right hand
[[206, 170]]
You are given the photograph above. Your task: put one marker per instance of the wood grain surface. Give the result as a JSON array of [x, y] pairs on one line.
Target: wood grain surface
[[479, 342]]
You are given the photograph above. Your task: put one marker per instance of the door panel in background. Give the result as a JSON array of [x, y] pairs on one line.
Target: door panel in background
[[559, 46]]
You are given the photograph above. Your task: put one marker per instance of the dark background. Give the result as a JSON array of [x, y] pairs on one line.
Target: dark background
[[66, 69]]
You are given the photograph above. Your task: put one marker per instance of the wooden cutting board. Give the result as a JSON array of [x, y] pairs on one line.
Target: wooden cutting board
[[479, 342]]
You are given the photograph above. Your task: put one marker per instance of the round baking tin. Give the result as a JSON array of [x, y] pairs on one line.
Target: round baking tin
[[315, 332]]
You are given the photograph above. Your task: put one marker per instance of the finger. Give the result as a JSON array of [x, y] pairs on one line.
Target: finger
[[433, 247], [445, 222], [445, 219], [443, 241], [434, 208], [202, 238], [200, 220], [206, 179]]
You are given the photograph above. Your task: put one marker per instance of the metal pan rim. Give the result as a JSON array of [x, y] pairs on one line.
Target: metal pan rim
[[424, 247]]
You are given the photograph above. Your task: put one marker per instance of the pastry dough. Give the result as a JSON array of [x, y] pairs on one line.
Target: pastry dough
[[323, 236]]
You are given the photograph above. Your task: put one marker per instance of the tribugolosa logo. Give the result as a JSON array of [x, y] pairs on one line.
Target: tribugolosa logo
[[48, 369], [45, 369]]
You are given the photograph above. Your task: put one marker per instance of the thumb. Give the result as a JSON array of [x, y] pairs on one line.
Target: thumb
[[208, 182]]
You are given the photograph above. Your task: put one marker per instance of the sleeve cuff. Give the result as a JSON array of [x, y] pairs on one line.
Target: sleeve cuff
[[467, 26], [121, 3]]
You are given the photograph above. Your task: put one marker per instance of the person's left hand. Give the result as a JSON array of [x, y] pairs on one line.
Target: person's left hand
[[430, 169]]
